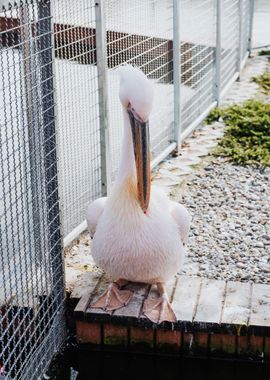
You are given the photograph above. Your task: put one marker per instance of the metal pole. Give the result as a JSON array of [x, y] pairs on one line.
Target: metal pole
[[101, 48], [251, 18], [218, 51], [32, 119], [46, 44], [240, 42], [177, 74]]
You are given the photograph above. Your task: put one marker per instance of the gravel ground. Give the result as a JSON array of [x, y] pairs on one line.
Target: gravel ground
[[230, 231]]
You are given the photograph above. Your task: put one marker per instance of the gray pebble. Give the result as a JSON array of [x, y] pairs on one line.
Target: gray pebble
[[265, 268], [258, 244]]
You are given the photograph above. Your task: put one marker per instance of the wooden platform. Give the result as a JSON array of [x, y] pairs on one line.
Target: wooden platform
[[214, 318]]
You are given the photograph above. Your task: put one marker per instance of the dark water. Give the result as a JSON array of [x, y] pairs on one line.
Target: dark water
[[77, 364]]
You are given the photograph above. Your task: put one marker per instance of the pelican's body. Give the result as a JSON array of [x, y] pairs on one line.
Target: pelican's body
[[136, 246], [129, 243]]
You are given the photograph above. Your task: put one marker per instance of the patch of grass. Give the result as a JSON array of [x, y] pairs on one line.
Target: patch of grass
[[247, 138], [263, 81]]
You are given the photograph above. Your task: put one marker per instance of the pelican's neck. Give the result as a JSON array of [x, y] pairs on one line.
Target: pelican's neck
[[127, 168]]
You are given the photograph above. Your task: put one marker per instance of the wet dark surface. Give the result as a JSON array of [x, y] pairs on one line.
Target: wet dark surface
[[76, 364]]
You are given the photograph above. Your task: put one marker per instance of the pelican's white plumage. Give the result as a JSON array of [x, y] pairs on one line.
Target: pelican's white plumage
[[128, 243]]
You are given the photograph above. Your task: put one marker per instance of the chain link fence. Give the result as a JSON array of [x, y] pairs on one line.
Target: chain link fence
[[66, 53], [31, 266]]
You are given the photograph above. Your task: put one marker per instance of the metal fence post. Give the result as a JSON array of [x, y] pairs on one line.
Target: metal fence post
[[240, 41], [177, 73], [31, 98], [251, 18], [101, 48], [45, 40], [218, 50]]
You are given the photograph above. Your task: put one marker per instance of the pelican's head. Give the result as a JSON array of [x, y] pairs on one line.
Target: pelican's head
[[136, 95]]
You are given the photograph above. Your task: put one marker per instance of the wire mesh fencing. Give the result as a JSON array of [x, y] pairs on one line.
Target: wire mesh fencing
[[246, 11], [94, 38], [230, 42], [31, 268], [261, 25], [198, 57], [140, 33], [78, 108]]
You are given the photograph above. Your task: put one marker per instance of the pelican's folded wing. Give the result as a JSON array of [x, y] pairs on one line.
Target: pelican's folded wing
[[182, 219], [94, 211]]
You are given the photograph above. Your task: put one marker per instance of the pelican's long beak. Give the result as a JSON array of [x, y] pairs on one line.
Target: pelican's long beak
[[140, 135]]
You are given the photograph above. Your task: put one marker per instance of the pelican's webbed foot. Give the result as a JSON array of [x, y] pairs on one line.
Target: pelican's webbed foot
[[113, 298], [159, 309]]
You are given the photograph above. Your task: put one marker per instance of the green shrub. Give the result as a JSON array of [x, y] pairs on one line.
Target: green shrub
[[213, 115], [264, 52], [247, 138], [263, 81]]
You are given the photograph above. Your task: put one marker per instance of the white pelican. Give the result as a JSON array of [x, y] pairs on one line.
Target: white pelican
[[137, 236]]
